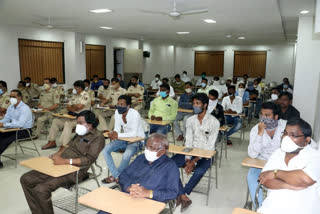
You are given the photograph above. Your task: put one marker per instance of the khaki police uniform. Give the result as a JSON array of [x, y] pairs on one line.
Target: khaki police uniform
[[26, 97], [104, 92], [134, 90], [91, 94], [102, 115], [34, 90], [68, 124], [59, 90], [47, 99], [4, 102]]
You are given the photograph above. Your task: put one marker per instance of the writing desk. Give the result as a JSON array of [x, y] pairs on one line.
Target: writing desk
[[64, 116], [246, 106], [223, 130], [185, 110], [39, 111], [254, 163], [202, 153], [234, 114], [4, 130], [45, 165], [116, 202], [153, 95], [161, 123], [243, 211], [128, 139]]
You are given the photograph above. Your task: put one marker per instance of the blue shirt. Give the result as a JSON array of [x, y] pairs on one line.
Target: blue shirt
[[185, 101], [18, 117], [245, 96], [96, 85], [161, 176]]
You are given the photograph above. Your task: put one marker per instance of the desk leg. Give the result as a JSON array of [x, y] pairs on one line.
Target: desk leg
[[248, 204], [76, 207], [222, 141], [209, 182], [16, 150], [216, 168], [174, 139]]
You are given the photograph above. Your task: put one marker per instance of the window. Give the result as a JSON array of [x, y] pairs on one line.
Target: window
[[40, 59], [210, 62], [252, 63], [95, 61]]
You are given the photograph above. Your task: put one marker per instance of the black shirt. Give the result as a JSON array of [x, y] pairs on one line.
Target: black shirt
[[218, 113], [252, 92], [291, 113]]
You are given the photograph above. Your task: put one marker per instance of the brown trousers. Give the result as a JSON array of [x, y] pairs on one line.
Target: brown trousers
[[38, 187]]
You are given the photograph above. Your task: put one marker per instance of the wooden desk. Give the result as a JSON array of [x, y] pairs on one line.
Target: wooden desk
[[195, 152], [246, 106], [232, 114], [161, 123], [243, 211], [154, 96], [64, 116], [185, 110], [3, 130], [116, 202], [253, 162], [45, 165], [40, 111], [128, 139], [223, 128]]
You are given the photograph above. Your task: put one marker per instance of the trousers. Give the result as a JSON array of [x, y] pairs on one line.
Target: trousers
[[9, 137], [62, 123]]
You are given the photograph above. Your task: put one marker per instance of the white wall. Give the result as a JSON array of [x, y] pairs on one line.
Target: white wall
[[306, 91]]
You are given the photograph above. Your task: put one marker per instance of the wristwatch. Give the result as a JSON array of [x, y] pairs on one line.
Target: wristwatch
[[275, 172], [151, 194], [70, 161]]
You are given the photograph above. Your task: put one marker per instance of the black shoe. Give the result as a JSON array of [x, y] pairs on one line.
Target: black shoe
[[229, 143], [1, 165]]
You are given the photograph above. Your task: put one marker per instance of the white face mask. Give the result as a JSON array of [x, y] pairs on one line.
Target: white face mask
[[46, 86], [241, 91], [150, 156], [274, 97], [157, 79], [13, 100], [81, 130], [74, 91], [188, 90], [86, 88], [27, 84], [287, 145], [212, 104], [54, 85], [184, 75]]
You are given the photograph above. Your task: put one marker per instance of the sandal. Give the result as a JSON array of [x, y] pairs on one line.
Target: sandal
[[109, 180]]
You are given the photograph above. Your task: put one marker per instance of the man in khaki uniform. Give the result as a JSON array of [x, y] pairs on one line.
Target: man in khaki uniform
[[49, 100], [4, 99], [26, 97], [104, 90], [58, 88], [80, 101], [89, 91], [135, 91], [33, 89], [111, 101]]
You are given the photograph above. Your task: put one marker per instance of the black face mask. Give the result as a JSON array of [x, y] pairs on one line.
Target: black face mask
[[106, 86], [134, 84], [231, 94]]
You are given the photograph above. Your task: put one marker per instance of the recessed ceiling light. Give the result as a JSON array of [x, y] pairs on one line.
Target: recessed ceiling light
[[241, 37], [105, 10], [183, 32], [106, 28], [210, 21], [304, 11], [229, 36]]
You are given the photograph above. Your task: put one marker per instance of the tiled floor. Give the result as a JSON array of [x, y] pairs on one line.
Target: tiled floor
[[231, 190]]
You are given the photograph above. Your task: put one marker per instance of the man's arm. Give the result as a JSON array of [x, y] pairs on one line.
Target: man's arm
[[189, 136], [173, 112], [279, 184], [24, 117], [213, 135], [297, 178], [255, 143], [152, 108]]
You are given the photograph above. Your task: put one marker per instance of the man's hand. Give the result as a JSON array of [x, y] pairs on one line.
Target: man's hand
[[189, 166], [137, 191], [261, 128], [265, 176], [1, 125], [153, 117], [113, 135], [158, 118], [58, 160], [137, 95]]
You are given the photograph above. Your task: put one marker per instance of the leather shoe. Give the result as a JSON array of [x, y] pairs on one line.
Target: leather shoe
[[49, 145], [178, 202], [180, 138], [185, 205], [110, 180]]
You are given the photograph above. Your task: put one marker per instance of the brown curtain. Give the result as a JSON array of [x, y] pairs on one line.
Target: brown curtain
[[252, 63], [39, 60], [210, 62], [95, 61]]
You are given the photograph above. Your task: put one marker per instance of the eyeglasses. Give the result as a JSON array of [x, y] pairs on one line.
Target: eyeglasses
[[285, 133]]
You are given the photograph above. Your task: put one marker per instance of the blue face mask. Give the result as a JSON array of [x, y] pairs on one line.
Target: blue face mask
[[285, 86], [203, 85], [1, 92], [163, 94], [197, 110], [250, 88], [122, 109]]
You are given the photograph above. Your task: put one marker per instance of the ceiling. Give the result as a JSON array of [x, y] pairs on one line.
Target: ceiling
[[260, 21]]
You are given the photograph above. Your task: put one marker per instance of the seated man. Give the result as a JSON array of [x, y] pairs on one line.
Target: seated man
[[233, 105], [203, 76], [265, 138], [292, 173], [136, 91], [185, 77], [253, 95], [26, 97], [111, 101], [128, 123], [185, 102], [80, 101], [214, 108], [4, 98], [58, 88], [82, 150], [287, 110], [162, 108], [148, 175], [204, 87], [202, 131], [96, 83], [104, 90], [241, 92], [32, 88], [49, 101], [89, 91], [171, 92], [178, 84], [275, 93], [155, 84], [18, 115], [121, 81]]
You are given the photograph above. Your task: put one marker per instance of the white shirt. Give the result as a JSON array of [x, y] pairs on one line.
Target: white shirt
[[217, 88], [199, 81], [235, 106], [212, 105], [171, 93], [204, 135], [262, 147], [155, 85], [306, 201], [258, 88], [133, 127], [224, 89], [185, 78]]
